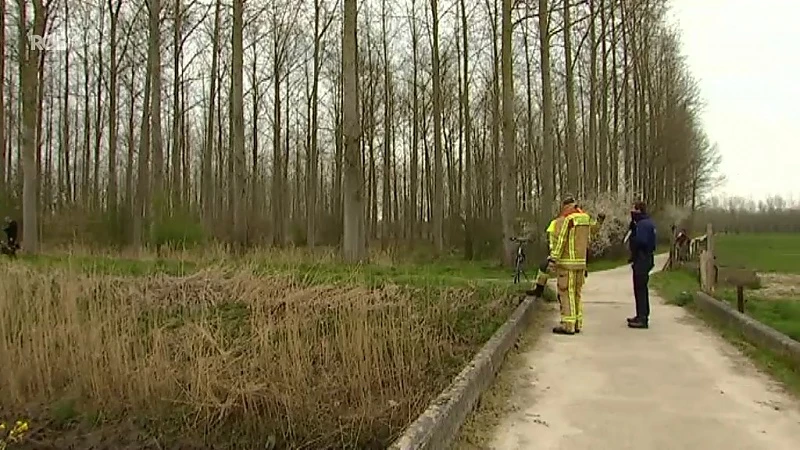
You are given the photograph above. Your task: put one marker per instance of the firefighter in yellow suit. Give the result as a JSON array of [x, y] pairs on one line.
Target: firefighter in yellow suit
[[569, 235]]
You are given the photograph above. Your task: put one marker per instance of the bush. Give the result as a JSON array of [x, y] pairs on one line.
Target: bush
[[617, 208]]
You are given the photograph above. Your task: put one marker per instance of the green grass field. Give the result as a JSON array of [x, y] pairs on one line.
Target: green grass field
[[764, 252]]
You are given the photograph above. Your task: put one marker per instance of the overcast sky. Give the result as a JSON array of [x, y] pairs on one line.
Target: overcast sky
[[746, 57]]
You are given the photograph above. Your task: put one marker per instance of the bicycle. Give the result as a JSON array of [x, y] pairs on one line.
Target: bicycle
[[519, 260]]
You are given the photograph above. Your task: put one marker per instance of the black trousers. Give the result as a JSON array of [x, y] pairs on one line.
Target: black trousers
[[641, 278]]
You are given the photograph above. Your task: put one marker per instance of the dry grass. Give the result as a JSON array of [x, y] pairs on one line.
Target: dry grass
[[778, 286], [227, 356]]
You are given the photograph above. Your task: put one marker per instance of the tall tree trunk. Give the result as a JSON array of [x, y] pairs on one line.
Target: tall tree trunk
[[546, 166], [313, 184], [386, 200], [85, 160], [208, 150], [414, 190], [468, 188], [255, 176], [278, 189], [3, 98], [353, 243], [98, 117], [628, 153], [438, 188], [129, 195], [113, 113], [529, 135], [603, 157], [177, 126], [29, 60], [47, 197], [157, 139], [495, 178], [590, 185], [573, 169], [65, 123], [509, 202], [616, 106], [239, 183], [142, 205]]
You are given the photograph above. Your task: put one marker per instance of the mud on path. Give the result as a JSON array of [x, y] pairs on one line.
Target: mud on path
[[675, 386]]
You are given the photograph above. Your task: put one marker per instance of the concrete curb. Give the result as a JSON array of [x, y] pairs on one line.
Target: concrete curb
[[753, 330], [436, 428]]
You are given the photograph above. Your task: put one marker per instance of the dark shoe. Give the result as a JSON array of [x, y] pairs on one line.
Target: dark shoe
[[537, 291], [577, 330], [561, 330], [640, 324], [633, 319]]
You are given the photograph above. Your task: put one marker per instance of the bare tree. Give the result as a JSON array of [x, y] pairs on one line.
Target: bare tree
[[438, 189], [30, 79], [509, 177], [546, 167], [353, 243]]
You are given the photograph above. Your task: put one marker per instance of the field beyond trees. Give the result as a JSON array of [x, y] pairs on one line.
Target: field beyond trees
[[198, 352]]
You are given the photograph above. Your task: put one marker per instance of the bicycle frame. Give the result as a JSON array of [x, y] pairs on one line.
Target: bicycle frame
[[519, 260]]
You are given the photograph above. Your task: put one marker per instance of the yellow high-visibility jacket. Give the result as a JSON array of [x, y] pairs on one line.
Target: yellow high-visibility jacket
[[569, 235]]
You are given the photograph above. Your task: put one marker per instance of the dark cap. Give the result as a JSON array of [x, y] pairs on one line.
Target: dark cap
[[640, 205], [568, 199]]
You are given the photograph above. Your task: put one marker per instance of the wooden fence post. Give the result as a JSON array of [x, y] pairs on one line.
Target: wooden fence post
[[711, 270], [740, 298], [673, 251]]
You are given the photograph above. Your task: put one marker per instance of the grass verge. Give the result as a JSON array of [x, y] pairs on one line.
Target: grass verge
[[678, 288]]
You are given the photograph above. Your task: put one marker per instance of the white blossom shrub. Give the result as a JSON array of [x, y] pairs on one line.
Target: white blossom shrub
[[617, 208]]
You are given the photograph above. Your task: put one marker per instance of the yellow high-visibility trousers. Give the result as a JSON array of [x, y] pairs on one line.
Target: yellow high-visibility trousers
[[570, 285]]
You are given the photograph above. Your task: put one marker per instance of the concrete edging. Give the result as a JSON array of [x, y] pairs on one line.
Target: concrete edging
[[753, 330], [438, 425]]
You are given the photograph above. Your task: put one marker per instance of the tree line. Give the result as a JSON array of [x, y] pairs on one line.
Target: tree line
[[774, 214], [448, 124]]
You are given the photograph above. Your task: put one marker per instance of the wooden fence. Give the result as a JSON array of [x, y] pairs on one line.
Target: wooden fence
[[698, 255]]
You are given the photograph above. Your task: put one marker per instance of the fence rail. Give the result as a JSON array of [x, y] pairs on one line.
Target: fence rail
[[698, 255]]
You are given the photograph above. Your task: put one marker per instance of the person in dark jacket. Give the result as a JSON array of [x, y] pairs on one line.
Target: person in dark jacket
[[642, 246], [10, 230]]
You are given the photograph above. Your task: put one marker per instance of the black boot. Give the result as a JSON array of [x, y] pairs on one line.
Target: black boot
[[639, 323], [562, 330], [537, 291]]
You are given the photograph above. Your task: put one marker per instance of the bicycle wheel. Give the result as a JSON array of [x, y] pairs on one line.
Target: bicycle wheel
[[517, 270]]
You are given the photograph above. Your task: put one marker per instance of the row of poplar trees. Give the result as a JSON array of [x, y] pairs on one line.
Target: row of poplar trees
[[440, 123]]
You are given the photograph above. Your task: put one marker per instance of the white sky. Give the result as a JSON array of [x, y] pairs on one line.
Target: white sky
[[746, 57]]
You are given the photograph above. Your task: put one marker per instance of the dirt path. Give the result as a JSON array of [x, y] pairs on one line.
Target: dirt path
[[674, 386]]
